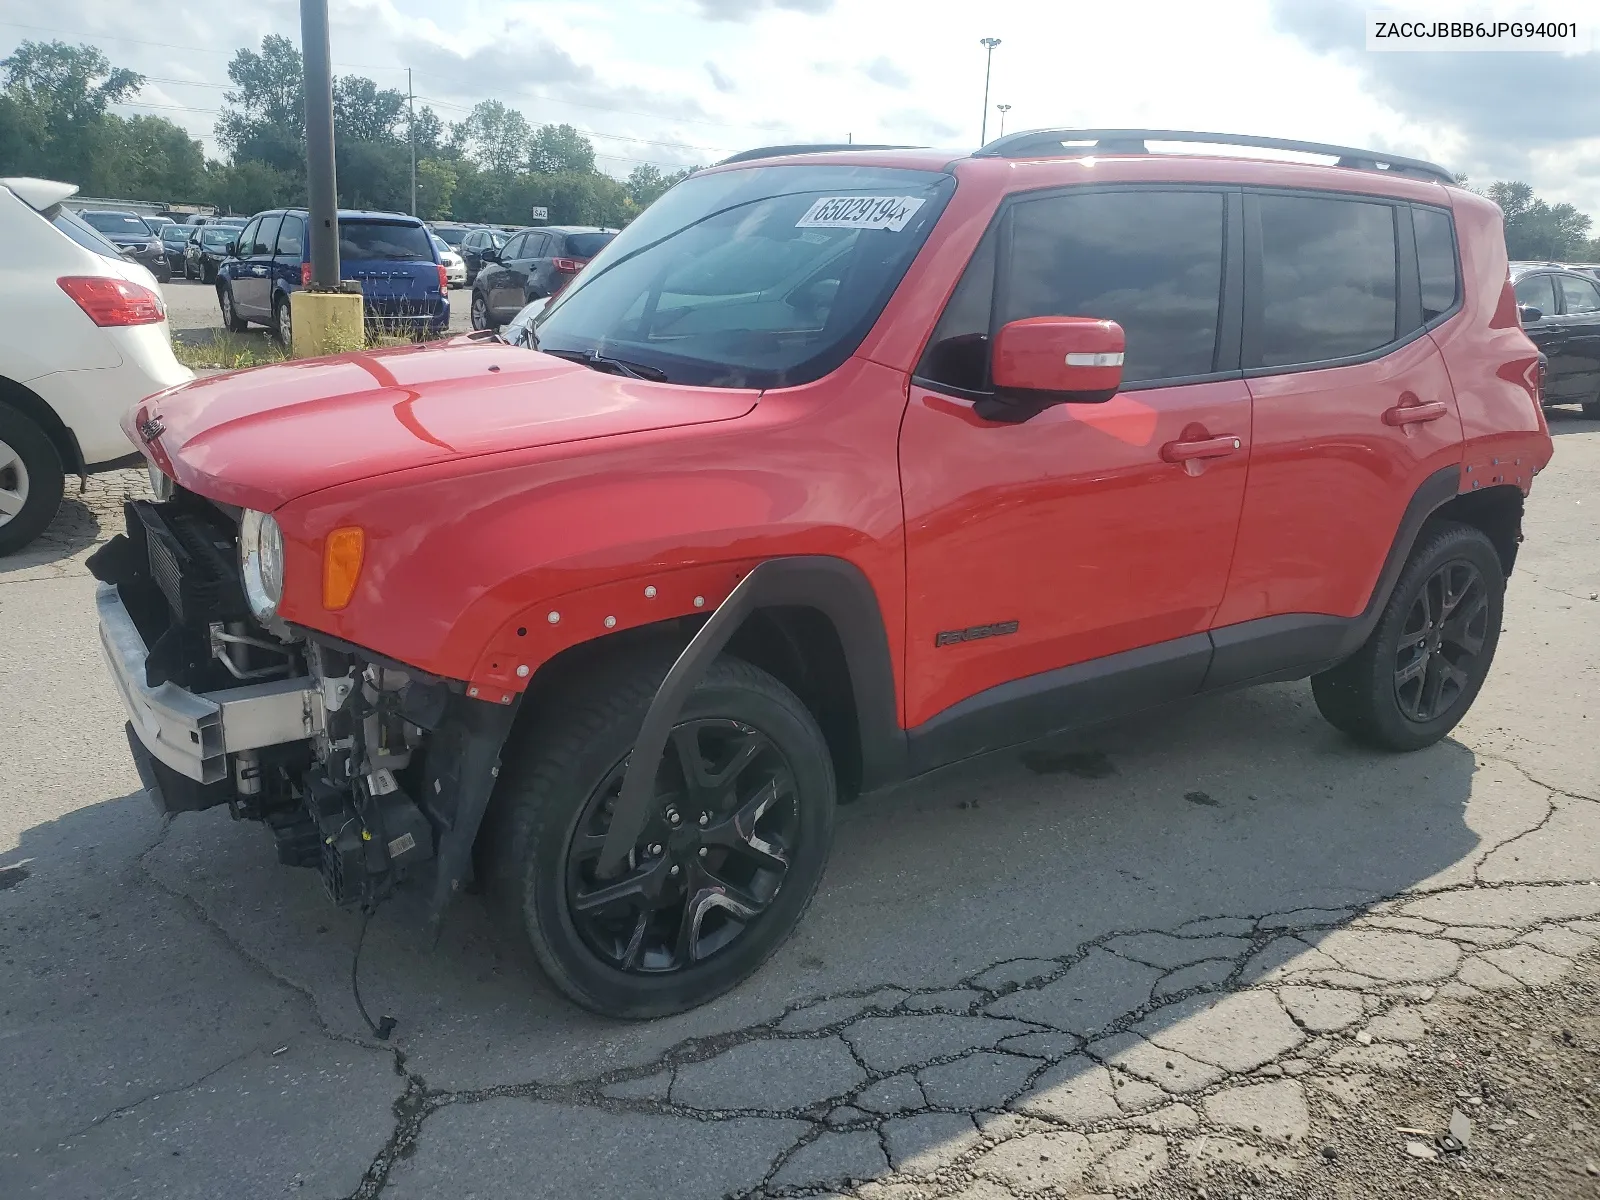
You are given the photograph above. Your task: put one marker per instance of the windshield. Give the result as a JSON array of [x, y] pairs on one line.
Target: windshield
[[110, 222], [175, 235], [442, 246], [762, 277], [215, 237], [587, 245], [450, 236], [385, 240]]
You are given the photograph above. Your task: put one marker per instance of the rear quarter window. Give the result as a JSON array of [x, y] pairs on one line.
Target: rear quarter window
[[586, 245]]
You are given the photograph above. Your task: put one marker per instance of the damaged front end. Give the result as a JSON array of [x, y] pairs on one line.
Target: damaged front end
[[374, 774]]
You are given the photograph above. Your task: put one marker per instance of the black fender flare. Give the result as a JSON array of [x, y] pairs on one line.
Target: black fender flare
[[841, 592]]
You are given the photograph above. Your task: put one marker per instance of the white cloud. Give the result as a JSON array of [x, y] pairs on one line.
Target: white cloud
[[650, 78]]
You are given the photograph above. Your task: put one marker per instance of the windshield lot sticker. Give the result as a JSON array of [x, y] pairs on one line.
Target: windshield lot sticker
[[860, 212]]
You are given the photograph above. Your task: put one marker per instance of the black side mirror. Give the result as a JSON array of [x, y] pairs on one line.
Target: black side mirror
[[233, 248], [489, 254], [1527, 313]]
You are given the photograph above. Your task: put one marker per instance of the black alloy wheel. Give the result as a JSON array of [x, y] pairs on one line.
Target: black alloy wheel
[[1443, 635], [1422, 665], [734, 843], [707, 865]]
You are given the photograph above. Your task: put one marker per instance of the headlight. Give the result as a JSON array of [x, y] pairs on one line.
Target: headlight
[[261, 562]]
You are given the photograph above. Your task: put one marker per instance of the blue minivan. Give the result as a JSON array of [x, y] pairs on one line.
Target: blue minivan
[[389, 254]]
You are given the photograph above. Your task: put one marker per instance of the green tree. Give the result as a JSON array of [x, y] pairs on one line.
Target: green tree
[[154, 159], [436, 187], [364, 113], [555, 148], [430, 133], [1536, 229], [249, 186], [495, 137], [264, 117], [647, 182], [55, 119]]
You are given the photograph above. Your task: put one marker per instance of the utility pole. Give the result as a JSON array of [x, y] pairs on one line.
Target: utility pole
[[321, 180], [1004, 109], [989, 44], [411, 136]]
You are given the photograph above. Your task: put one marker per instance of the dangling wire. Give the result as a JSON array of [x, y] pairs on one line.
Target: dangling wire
[[380, 1029]]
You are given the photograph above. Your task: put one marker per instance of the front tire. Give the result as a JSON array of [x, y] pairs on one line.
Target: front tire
[[724, 869], [31, 480], [480, 311], [231, 320], [1421, 668]]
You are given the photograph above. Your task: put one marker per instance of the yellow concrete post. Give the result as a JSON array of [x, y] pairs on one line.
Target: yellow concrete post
[[325, 323]]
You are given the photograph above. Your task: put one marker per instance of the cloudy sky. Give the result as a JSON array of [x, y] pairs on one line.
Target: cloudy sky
[[688, 81]]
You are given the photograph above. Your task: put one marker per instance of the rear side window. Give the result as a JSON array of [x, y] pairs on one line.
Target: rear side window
[[1328, 279], [389, 241], [1436, 261], [291, 238], [1149, 260], [1577, 295], [75, 228]]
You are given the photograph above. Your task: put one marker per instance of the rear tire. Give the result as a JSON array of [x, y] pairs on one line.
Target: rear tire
[[1421, 668], [688, 942], [31, 480], [231, 320], [282, 322]]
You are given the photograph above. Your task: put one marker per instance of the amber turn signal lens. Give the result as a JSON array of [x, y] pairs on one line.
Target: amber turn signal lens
[[341, 565]]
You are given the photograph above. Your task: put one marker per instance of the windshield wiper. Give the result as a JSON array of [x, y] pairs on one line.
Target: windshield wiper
[[596, 361]]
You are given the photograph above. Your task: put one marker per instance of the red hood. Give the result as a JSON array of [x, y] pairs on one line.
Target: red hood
[[263, 437]]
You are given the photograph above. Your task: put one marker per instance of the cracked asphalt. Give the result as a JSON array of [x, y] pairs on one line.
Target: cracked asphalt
[[1144, 963]]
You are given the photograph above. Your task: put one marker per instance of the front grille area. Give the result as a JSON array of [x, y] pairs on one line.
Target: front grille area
[[192, 561]]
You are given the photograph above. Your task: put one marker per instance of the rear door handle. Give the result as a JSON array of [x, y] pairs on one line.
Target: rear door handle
[[1217, 447], [1411, 414]]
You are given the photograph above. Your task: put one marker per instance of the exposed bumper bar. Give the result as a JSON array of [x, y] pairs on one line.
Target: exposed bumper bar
[[194, 733]]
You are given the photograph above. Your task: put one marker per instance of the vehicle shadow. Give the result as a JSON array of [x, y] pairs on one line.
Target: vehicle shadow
[[1565, 420], [84, 519], [1225, 811]]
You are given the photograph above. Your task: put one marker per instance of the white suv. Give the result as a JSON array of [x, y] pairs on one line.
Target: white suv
[[84, 337]]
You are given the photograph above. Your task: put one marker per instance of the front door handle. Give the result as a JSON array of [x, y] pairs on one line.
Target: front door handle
[[1217, 447], [1411, 414]]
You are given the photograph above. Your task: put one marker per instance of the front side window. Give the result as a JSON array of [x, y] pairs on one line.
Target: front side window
[[1436, 261], [1150, 260], [1328, 279], [247, 238], [513, 248], [1577, 295], [765, 276], [267, 236], [1537, 291]]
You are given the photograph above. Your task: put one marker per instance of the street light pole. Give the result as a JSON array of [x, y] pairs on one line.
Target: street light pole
[[989, 44], [1004, 109], [321, 182], [411, 136]]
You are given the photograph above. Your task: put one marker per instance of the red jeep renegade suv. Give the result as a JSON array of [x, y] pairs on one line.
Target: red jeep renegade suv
[[833, 468]]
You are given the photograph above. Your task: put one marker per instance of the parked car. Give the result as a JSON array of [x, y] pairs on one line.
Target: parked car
[[534, 263], [474, 243], [1560, 309], [389, 254], [174, 244], [158, 224], [132, 238], [455, 267], [839, 468], [86, 337], [209, 246], [451, 234]]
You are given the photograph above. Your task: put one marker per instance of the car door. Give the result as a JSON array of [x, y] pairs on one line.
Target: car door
[[535, 263], [1538, 291], [1580, 325], [1073, 561], [236, 265], [252, 291], [503, 283], [290, 254], [1352, 411]]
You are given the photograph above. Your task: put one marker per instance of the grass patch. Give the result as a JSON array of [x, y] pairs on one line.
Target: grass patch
[[227, 351]]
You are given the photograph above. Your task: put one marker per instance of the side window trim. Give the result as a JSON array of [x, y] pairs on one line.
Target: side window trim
[[1230, 314], [1408, 287], [1254, 314]]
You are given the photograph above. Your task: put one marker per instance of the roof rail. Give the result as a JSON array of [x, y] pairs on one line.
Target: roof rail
[[1043, 143], [814, 148]]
